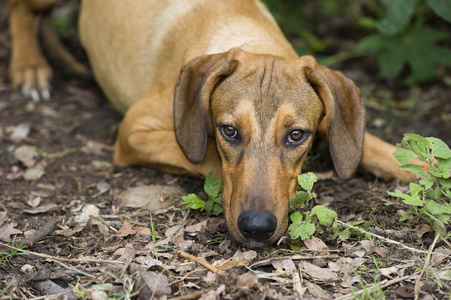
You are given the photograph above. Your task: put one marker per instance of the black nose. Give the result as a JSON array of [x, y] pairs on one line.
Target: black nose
[[257, 225]]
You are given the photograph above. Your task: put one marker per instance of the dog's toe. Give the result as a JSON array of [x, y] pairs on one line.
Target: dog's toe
[[33, 82]]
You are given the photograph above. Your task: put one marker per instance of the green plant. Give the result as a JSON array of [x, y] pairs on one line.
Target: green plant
[[5, 257], [402, 40], [375, 292], [350, 231], [429, 198], [213, 205], [306, 222]]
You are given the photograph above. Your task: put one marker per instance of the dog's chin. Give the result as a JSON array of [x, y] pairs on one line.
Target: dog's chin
[[256, 244]]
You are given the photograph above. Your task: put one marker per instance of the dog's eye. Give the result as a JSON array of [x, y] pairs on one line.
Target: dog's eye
[[229, 132], [296, 137]]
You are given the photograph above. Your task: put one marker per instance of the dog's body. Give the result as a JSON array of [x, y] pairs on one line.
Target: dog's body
[[245, 106]]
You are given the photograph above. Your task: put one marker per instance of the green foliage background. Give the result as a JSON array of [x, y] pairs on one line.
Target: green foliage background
[[409, 38]]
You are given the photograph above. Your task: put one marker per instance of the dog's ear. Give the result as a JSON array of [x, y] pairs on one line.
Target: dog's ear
[[345, 115], [192, 113]]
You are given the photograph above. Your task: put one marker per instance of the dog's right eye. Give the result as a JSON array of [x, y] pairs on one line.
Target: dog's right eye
[[229, 132]]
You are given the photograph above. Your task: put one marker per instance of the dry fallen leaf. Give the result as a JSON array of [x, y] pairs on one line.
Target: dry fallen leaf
[[6, 231], [317, 272], [422, 229], [34, 202], [34, 173], [388, 271], [440, 254], [45, 207], [20, 132], [149, 196], [126, 229], [284, 264], [368, 245], [381, 251], [315, 244], [157, 283], [316, 290], [27, 155], [239, 259]]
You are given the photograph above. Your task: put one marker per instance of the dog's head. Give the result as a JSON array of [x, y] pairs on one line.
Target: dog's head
[[263, 112]]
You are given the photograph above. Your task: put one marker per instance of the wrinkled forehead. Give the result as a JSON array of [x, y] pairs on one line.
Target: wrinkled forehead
[[266, 86]]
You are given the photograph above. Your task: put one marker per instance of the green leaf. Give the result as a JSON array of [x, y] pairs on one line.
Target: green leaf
[[296, 217], [415, 188], [325, 215], [442, 8], [398, 16], [434, 208], [404, 156], [212, 186], [300, 198], [217, 209], [444, 167], [439, 148], [427, 182], [193, 201], [412, 200], [416, 169], [416, 143], [397, 194], [307, 180], [304, 230], [373, 42]]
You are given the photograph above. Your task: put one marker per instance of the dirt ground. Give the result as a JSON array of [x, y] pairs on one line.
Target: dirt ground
[[64, 201]]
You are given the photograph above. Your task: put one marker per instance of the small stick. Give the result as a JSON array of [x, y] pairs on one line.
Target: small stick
[[201, 262], [294, 257], [45, 230], [82, 260], [381, 286], [426, 263], [382, 238]]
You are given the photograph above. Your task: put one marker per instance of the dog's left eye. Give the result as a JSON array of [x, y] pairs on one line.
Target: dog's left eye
[[229, 132], [296, 137]]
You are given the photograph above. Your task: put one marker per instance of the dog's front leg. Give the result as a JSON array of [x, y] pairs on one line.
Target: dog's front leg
[[146, 138], [28, 69]]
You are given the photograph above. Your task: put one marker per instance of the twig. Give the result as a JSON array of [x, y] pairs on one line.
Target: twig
[[374, 286], [201, 262], [73, 269], [294, 257], [382, 238], [43, 231], [81, 260], [426, 263], [445, 241], [79, 186], [61, 153]]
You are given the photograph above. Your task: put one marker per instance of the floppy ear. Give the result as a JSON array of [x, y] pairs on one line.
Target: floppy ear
[[192, 93], [345, 116]]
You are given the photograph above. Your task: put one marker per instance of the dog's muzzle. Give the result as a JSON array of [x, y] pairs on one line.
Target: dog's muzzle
[[257, 226]]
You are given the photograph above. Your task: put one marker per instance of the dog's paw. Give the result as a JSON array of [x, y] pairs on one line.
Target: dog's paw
[[32, 81]]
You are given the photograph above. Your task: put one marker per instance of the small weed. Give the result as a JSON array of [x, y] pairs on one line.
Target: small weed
[[349, 231], [213, 205], [5, 257], [78, 289], [305, 222], [375, 292], [154, 237], [429, 198]]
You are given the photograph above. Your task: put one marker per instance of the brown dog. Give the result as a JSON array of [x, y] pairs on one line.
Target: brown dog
[[244, 106]]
